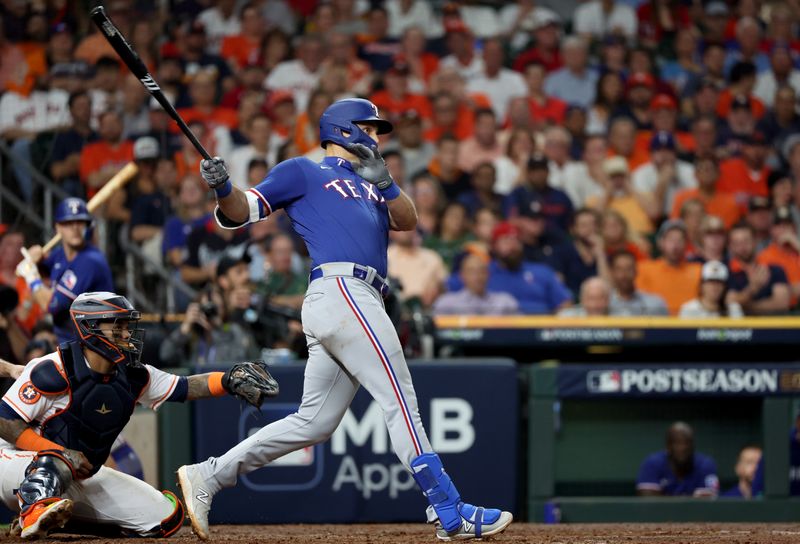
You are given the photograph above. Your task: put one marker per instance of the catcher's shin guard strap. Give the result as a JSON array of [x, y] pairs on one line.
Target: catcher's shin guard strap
[[438, 488], [169, 525]]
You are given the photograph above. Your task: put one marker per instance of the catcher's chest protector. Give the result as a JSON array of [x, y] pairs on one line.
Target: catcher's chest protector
[[100, 406]]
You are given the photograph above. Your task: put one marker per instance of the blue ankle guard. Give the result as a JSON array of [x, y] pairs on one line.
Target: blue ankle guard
[[438, 488]]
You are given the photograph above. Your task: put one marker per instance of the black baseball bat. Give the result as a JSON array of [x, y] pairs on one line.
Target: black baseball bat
[[135, 64]]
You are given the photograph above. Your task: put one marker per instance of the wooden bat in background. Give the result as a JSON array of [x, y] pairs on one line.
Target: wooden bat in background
[[118, 181]]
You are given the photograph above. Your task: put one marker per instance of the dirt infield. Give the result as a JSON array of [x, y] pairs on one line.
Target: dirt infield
[[654, 533]]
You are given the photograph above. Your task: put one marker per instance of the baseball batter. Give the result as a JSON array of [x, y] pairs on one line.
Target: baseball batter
[[343, 207], [59, 420]]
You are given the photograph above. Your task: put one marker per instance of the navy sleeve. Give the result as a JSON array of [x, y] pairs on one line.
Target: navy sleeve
[[6, 412], [557, 292], [649, 474], [181, 390], [778, 274]]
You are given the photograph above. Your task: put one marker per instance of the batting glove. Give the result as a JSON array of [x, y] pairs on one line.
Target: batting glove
[[214, 172], [372, 168], [27, 270]]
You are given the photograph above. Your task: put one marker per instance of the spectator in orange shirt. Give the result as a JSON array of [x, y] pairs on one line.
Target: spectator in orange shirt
[[741, 82], [784, 249], [456, 114], [395, 98], [747, 176], [664, 115], [618, 194], [545, 110], [412, 50], [306, 129], [102, 159], [19, 66], [342, 52], [244, 48], [672, 277], [202, 91], [717, 203]]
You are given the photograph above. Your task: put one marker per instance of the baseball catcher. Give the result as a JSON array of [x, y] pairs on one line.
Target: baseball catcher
[[59, 419]]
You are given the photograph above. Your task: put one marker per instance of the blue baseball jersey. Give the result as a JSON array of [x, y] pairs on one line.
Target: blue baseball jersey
[[87, 272], [656, 474], [340, 216]]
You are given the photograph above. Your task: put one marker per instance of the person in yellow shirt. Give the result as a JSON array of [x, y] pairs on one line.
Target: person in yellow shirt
[[671, 276], [636, 207]]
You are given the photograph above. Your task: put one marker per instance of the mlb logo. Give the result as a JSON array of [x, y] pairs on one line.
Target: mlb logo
[[604, 381], [70, 280]]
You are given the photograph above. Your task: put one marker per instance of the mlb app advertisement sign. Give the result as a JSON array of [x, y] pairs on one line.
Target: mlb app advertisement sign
[[679, 380], [469, 409]]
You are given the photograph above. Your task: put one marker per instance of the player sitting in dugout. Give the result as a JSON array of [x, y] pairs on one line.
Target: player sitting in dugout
[[678, 470], [59, 420]]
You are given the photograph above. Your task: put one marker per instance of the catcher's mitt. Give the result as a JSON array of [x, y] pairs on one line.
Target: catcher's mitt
[[251, 382]]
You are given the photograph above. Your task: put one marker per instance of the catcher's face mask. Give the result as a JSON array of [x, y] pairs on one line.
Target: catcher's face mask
[[126, 336]]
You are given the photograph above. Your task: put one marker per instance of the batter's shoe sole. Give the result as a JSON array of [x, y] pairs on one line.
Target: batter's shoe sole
[[197, 499], [43, 517]]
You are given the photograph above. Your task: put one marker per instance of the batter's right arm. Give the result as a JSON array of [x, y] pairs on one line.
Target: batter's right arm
[[232, 201]]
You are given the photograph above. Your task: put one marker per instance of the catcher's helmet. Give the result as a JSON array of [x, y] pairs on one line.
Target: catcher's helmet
[[342, 116], [89, 310]]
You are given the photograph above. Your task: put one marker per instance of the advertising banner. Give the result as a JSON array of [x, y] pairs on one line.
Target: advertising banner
[[469, 409]]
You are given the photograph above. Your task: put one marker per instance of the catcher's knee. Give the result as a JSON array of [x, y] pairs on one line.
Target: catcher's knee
[[49, 475], [169, 525]]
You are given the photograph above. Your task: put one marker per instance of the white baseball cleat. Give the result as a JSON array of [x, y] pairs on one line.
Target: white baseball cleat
[[197, 497], [476, 523]]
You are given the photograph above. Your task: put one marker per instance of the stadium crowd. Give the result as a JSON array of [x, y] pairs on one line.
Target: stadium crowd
[[575, 158]]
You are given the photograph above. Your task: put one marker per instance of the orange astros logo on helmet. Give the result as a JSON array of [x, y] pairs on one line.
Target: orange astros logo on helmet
[[29, 394]]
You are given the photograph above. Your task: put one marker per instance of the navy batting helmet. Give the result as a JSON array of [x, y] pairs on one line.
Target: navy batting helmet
[[89, 310], [342, 116], [72, 209]]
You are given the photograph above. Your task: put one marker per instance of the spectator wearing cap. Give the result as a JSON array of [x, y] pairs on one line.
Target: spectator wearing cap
[[220, 21], [670, 276], [716, 203], [638, 208], [594, 300], [626, 300], [781, 73], [739, 126], [462, 54], [482, 195], [545, 110], [716, 17], [664, 175], [759, 217], [585, 256], [741, 83], [664, 118], [519, 21], [301, 74], [263, 145], [782, 121], [475, 298], [191, 42], [747, 46], [598, 18], [701, 100], [101, 159], [534, 286], [483, 145], [711, 296], [396, 98], [575, 83], [420, 271], [546, 26], [405, 14], [244, 47], [747, 175], [784, 249], [205, 245], [409, 143], [540, 243], [639, 90], [498, 83], [711, 246], [554, 203], [67, 145], [758, 288]]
